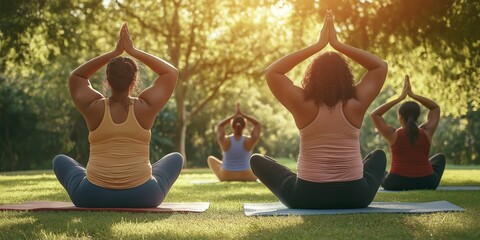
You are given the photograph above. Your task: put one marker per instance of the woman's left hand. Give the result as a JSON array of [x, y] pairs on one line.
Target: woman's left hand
[[127, 41], [332, 36], [408, 86]]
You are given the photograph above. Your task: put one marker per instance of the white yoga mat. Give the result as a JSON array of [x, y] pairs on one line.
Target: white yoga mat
[[443, 188], [278, 209]]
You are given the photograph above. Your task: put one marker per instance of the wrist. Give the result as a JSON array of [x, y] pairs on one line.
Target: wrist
[[114, 53], [320, 45], [133, 52], [335, 44]]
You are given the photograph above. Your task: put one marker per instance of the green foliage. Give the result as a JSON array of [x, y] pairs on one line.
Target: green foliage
[[221, 49]]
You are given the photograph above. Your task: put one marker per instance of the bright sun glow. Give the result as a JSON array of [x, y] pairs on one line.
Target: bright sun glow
[[281, 10]]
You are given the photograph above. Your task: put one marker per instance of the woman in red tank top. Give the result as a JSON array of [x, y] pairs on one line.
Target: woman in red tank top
[[410, 144]]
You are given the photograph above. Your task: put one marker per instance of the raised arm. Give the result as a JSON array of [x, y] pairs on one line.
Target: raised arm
[[387, 131], [157, 95], [221, 136], [82, 92], [372, 82], [282, 87], [250, 142], [433, 116]]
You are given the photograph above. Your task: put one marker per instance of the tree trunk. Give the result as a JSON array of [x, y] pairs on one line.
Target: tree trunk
[[180, 141], [181, 125]]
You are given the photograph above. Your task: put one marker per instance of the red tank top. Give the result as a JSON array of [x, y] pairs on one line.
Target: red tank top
[[408, 160]]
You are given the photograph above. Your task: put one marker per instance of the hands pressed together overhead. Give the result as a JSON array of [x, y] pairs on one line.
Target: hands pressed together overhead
[[328, 33], [124, 43], [407, 89]]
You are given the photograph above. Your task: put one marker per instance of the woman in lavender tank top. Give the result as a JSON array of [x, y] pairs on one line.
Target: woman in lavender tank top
[[236, 148]]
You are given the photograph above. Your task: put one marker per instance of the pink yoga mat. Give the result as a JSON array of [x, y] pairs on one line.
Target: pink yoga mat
[[186, 207]]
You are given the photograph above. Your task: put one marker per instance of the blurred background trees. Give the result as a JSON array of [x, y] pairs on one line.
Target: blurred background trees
[[221, 49]]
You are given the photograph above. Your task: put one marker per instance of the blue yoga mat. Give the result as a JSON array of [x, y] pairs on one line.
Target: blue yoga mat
[[278, 209]]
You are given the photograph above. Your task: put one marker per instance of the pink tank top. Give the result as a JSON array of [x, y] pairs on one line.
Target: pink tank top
[[330, 148]]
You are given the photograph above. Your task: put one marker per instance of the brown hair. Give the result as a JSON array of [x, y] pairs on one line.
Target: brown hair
[[238, 124], [328, 80], [410, 111], [122, 74]]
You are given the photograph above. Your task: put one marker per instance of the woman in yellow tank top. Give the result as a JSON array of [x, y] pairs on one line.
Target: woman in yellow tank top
[[119, 173]]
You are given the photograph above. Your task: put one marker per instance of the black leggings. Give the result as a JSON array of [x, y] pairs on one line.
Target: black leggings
[[398, 182], [298, 193]]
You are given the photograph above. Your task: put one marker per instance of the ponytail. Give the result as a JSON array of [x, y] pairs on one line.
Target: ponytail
[[409, 111], [412, 130]]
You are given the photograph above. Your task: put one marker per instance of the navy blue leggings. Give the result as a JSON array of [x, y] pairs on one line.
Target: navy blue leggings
[[83, 193], [297, 193], [397, 182]]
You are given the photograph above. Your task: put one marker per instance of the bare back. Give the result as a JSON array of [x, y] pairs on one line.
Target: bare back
[[306, 111], [119, 112]]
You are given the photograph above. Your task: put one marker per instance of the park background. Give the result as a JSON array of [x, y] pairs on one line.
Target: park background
[[221, 49]]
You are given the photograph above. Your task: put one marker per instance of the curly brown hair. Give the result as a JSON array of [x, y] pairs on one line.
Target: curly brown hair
[[122, 74], [328, 80]]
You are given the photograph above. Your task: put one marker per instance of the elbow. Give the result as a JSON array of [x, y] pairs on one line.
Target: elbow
[[374, 115], [72, 75], [259, 126], [269, 72], [383, 67], [175, 73], [269, 75]]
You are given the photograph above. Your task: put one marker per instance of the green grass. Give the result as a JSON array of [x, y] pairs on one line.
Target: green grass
[[225, 218]]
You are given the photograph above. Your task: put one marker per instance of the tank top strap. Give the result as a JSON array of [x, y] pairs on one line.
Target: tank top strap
[[131, 114], [106, 112]]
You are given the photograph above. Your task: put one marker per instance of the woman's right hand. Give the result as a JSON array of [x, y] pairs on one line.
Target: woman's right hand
[[119, 48], [237, 111], [406, 88], [409, 86], [324, 34], [127, 41]]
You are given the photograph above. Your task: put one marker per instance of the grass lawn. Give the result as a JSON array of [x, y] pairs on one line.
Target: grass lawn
[[225, 218]]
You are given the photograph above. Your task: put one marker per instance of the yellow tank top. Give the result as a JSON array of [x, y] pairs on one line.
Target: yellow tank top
[[119, 153], [330, 148]]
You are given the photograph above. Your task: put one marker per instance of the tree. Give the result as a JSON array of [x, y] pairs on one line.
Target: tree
[[208, 49]]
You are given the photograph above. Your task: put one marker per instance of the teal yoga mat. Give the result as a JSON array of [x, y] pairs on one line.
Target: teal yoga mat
[[443, 188], [278, 209]]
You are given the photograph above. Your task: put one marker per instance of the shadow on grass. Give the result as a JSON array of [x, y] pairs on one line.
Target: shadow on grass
[[27, 225]]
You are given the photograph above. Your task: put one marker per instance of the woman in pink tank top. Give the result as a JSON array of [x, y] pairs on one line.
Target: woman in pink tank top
[[119, 170], [328, 110], [411, 166]]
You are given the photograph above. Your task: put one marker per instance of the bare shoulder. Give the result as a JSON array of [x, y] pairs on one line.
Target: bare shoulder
[[354, 112], [305, 114], [94, 113], [143, 113]]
